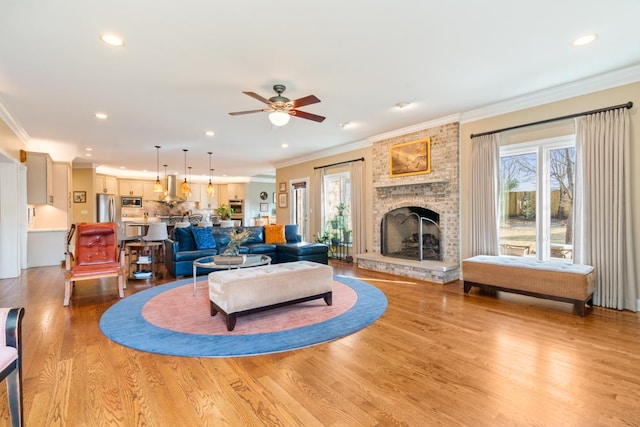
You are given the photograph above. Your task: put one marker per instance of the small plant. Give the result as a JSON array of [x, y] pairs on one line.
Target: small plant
[[341, 208], [322, 237], [224, 211]]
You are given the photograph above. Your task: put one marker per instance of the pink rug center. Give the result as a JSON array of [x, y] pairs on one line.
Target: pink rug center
[[178, 310]]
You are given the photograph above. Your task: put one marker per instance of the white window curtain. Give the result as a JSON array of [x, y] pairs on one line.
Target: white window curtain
[[485, 158], [603, 218], [316, 202], [358, 235]]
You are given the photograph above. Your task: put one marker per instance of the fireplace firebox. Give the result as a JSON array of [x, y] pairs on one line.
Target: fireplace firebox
[[411, 232]]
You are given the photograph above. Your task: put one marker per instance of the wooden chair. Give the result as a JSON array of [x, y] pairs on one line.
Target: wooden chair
[[96, 256], [11, 360]]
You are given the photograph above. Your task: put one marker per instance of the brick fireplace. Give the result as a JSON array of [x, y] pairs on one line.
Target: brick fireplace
[[436, 192]]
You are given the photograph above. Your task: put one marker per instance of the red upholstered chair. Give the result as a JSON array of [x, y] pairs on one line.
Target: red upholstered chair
[[11, 360], [96, 255]]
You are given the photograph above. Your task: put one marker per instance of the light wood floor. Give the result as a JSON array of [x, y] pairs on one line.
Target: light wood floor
[[436, 357]]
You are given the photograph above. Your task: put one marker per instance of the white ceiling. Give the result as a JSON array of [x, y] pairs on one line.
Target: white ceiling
[[185, 65]]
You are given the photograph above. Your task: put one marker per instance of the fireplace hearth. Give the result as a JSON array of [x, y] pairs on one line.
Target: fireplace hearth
[[411, 233]]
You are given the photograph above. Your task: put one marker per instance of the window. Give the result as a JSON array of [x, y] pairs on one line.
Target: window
[[337, 190], [536, 198]]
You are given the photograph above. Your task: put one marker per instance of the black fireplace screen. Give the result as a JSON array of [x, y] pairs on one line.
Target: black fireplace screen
[[411, 233]]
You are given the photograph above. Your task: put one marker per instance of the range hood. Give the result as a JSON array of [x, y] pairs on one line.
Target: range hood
[[172, 191]]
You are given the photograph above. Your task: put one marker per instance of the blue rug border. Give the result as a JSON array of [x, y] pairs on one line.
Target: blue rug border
[[370, 305]]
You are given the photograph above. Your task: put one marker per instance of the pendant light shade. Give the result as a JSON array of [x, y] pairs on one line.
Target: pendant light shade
[[279, 118], [185, 185], [210, 186], [157, 187]]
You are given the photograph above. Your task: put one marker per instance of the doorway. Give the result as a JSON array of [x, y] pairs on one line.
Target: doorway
[[300, 206]]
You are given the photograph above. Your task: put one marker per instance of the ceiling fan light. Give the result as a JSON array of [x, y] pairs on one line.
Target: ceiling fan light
[[279, 118]]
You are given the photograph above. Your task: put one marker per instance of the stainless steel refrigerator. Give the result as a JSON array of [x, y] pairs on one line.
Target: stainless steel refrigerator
[[108, 210]]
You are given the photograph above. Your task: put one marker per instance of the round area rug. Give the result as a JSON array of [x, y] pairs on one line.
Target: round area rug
[[169, 320]]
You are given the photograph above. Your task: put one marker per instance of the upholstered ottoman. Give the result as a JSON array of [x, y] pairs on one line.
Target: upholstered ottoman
[[248, 290], [303, 251], [555, 280]]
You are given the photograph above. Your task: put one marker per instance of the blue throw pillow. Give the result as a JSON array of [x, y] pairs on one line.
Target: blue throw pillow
[[185, 239], [204, 238], [291, 233]]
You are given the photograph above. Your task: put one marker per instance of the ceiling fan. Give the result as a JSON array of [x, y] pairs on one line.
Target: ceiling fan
[[282, 108]]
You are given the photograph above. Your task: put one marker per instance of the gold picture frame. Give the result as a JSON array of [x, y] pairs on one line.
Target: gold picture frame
[[283, 187], [410, 158], [79, 197]]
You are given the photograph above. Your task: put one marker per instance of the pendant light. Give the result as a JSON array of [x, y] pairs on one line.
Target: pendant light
[[189, 192], [210, 186], [185, 184], [165, 180], [157, 187]]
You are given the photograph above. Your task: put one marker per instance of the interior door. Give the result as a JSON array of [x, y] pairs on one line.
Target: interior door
[[300, 205]]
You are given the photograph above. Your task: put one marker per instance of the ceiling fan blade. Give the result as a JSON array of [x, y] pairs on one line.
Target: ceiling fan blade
[[308, 116], [238, 113], [258, 97], [307, 100]]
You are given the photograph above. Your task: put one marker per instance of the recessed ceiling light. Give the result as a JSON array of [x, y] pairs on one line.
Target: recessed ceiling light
[[585, 40], [101, 116], [112, 40], [88, 149], [88, 154], [122, 167], [210, 133], [285, 145]]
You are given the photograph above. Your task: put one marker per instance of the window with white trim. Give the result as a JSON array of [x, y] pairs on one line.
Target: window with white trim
[[536, 198]]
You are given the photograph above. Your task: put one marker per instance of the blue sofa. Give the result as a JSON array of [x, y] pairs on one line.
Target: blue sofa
[[182, 248]]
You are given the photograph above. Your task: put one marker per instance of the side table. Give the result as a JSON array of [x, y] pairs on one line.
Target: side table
[[142, 254]]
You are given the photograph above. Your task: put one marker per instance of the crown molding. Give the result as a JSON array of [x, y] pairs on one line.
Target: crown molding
[[15, 127], [339, 149], [557, 93], [445, 120]]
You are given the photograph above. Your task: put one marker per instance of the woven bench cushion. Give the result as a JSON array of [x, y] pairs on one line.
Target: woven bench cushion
[[554, 278]]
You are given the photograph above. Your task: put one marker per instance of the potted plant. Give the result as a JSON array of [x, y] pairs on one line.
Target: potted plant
[[224, 211], [341, 208], [346, 235]]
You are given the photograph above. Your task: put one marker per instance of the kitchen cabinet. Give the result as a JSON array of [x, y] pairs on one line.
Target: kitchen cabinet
[[130, 188], [236, 191], [147, 191], [106, 184], [195, 195], [39, 179], [61, 188], [208, 201]]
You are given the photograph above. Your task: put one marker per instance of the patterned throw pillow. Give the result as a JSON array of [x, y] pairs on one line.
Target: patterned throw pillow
[[204, 238], [185, 239], [274, 234]]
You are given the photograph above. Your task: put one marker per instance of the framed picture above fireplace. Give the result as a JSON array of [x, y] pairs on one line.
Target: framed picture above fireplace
[[410, 158]]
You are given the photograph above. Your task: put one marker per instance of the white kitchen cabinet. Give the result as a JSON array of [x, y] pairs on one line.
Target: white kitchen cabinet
[[223, 194], [236, 191], [39, 179], [147, 191], [106, 184], [61, 188], [195, 193], [130, 187], [208, 201]]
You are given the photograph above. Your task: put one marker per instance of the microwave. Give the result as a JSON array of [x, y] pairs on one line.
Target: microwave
[[131, 202]]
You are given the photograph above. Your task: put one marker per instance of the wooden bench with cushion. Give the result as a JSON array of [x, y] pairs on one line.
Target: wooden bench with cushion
[[249, 290], [555, 280]]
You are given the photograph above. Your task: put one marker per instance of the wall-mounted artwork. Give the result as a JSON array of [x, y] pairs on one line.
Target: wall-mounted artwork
[[410, 158], [79, 197]]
